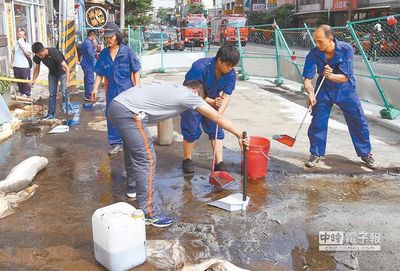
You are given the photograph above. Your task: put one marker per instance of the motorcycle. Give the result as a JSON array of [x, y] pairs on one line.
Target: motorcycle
[[174, 45]]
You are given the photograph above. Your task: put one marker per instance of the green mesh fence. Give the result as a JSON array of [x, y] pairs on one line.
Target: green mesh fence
[[377, 43], [258, 54], [270, 52]]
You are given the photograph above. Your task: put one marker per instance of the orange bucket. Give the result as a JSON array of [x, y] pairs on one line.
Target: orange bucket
[[257, 157]]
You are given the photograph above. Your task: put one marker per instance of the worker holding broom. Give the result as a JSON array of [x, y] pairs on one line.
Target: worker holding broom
[[333, 60], [133, 109], [218, 76]]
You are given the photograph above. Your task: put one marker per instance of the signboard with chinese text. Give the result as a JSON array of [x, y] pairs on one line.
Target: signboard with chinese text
[[258, 7], [344, 4]]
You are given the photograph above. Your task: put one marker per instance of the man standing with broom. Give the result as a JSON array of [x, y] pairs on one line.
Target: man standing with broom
[[333, 60]]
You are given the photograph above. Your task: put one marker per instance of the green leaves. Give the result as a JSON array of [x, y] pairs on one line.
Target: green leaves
[[4, 85], [195, 8], [283, 15], [164, 14], [136, 11]]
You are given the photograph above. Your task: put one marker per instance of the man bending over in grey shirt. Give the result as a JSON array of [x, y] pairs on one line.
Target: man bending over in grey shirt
[[136, 107]]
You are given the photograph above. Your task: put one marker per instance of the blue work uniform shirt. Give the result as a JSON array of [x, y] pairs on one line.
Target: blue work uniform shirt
[[204, 70], [341, 63], [117, 72], [88, 54]]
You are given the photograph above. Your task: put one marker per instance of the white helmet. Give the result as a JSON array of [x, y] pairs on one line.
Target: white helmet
[[378, 27]]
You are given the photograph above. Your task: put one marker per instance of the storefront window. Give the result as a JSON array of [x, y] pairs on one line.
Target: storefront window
[[36, 24], [22, 19]]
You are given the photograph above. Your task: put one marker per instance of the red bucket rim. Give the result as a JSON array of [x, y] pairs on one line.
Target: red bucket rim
[[259, 145]]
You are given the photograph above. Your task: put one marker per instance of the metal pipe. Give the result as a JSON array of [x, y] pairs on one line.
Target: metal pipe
[[122, 14]]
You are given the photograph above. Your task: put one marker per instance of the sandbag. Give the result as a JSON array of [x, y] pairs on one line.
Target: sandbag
[[170, 255], [10, 201], [22, 174]]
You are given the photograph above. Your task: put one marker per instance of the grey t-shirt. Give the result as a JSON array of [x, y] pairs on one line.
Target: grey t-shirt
[[160, 100]]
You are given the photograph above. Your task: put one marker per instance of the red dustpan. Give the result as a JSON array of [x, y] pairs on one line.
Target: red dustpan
[[288, 140], [220, 179]]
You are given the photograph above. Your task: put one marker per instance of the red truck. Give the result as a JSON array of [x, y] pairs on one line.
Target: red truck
[[194, 29], [224, 29]]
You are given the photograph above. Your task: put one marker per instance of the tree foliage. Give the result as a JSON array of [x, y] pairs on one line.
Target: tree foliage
[[195, 8], [164, 14], [136, 11], [284, 16]]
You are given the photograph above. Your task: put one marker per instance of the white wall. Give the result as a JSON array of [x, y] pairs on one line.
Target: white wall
[[153, 62]]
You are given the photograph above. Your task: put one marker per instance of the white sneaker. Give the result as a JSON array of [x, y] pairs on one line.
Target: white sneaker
[[131, 195], [115, 149]]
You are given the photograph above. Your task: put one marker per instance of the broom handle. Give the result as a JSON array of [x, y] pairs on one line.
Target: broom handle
[[215, 147], [245, 169], [309, 108]]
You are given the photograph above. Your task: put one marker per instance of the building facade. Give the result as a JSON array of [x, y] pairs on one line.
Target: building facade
[[30, 15], [338, 12], [256, 5]]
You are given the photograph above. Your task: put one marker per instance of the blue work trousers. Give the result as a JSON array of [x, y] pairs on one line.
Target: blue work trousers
[[88, 79], [190, 126], [114, 137], [349, 103]]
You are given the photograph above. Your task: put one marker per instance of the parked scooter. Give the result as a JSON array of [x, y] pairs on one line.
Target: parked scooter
[[174, 45]]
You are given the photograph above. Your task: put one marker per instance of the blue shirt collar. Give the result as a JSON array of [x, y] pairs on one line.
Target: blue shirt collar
[[122, 51]]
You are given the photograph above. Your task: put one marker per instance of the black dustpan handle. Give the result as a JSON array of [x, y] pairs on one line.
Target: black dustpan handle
[[245, 169]]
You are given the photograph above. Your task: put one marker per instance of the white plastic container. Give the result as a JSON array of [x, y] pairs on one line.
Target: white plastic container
[[119, 236]]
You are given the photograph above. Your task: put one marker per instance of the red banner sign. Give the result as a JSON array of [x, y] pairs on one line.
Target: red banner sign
[[344, 4]]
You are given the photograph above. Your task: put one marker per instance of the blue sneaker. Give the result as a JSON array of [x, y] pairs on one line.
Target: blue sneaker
[[49, 117], [159, 221]]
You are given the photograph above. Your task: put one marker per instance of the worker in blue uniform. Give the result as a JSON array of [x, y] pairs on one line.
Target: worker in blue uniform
[[218, 76], [120, 66], [87, 63], [334, 60]]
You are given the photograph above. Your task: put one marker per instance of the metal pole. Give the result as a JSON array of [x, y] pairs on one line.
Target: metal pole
[[329, 11], [278, 81], [205, 38], [122, 15], [162, 70], [288, 50], [243, 76], [140, 52], [309, 34]]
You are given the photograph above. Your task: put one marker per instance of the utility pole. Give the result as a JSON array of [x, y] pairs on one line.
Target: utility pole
[[329, 10], [122, 15], [350, 7]]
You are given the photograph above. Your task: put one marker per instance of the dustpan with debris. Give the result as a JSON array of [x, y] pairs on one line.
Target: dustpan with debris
[[288, 140], [238, 201]]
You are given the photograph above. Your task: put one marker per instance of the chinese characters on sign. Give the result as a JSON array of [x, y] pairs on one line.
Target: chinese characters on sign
[[96, 16], [349, 241], [258, 7], [344, 4]]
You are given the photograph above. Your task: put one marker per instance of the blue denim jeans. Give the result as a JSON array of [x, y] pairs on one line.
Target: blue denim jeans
[[53, 84]]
